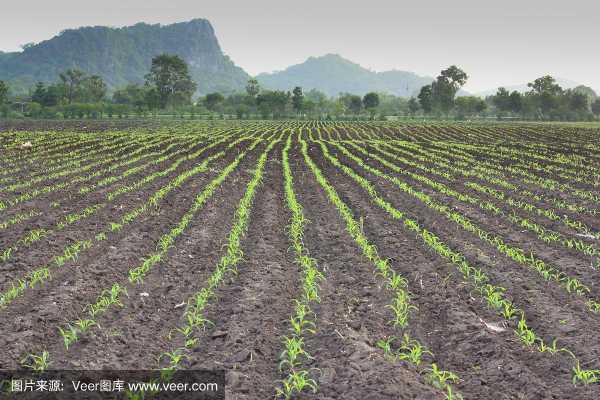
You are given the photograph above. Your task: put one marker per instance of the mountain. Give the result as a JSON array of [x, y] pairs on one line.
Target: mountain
[[123, 55], [333, 74], [564, 83]]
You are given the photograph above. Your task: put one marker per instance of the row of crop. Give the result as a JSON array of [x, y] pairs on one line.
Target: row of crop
[[578, 226], [461, 170], [491, 175], [545, 234], [294, 358], [75, 216], [109, 155], [409, 349], [50, 146], [36, 235], [530, 260], [80, 178], [573, 165], [542, 182], [29, 280], [13, 174], [544, 210], [78, 215], [521, 163], [194, 316], [494, 296], [112, 295], [85, 151], [113, 163]]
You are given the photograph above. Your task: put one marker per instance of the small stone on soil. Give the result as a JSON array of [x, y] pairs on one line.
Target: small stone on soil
[[241, 356]]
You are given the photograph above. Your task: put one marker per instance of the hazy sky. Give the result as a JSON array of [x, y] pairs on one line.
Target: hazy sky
[[503, 42]]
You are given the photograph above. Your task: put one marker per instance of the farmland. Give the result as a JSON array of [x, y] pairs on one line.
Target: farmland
[[313, 260]]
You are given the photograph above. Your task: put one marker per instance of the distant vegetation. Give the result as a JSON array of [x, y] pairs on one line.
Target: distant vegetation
[[179, 70], [169, 89], [123, 55], [333, 75], [545, 100]]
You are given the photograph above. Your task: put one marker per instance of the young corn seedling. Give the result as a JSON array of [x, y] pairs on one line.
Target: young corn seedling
[[69, 335], [450, 395], [584, 376], [299, 325], [84, 324], [38, 276], [174, 357], [106, 299], [553, 349], [401, 308], [527, 336], [397, 281], [6, 254], [296, 382], [411, 350], [508, 310], [294, 348], [494, 296], [439, 378], [386, 346], [36, 363]]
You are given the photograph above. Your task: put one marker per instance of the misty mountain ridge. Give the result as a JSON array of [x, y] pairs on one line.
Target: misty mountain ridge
[[333, 74], [124, 55]]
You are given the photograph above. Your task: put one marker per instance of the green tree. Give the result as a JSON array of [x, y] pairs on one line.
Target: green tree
[[516, 102], [297, 99], [212, 100], [309, 106], [273, 102], [545, 84], [469, 105], [445, 87], [413, 105], [371, 100], [578, 101], [502, 99], [152, 98], [596, 107], [318, 97], [94, 88], [252, 88], [3, 92], [133, 95], [545, 93], [33, 110], [426, 99], [170, 77], [72, 79], [588, 92], [39, 93], [355, 104]]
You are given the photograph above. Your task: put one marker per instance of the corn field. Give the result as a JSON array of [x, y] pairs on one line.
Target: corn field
[[309, 260]]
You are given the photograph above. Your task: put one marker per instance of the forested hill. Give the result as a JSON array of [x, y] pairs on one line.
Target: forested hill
[[333, 74], [123, 55]]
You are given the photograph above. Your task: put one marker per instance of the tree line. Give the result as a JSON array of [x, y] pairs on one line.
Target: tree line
[[545, 100], [169, 89]]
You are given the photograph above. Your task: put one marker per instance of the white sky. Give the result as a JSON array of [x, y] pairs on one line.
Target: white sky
[[498, 43]]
